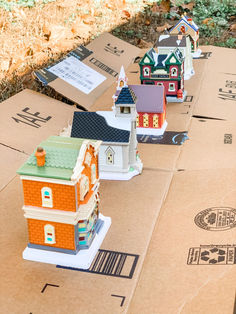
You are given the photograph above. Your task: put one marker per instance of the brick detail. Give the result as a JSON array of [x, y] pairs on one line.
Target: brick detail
[[63, 195], [64, 234]]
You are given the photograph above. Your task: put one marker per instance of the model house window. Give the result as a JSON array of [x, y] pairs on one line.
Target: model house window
[[46, 194], [137, 121], [49, 234], [155, 121], [146, 71], [93, 173], [171, 87], [88, 158], [173, 72], [110, 156], [145, 120], [84, 187], [125, 110]]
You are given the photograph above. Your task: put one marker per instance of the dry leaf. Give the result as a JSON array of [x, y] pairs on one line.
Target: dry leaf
[[147, 22], [80, 29], [88, 19], [143, 44], [188, 6], [4, 64], [208, 21], [126, 14], [161, 29], [233, 27], [165, 6], [155, 8]]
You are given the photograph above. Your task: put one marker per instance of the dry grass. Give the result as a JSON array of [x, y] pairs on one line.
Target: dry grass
[[33, 37]]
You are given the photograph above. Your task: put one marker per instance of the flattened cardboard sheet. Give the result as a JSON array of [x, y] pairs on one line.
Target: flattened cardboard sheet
[[190, 264], [87, 72], [211, 145], [217, 97], [11, 160], [29, 117], [133, 220]]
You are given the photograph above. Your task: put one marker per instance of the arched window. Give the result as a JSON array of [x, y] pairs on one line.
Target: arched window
[[46, 194], [84, 187], [145, 120], [49, 234], [171, 87], [146, 71], [110, 156], [173, 72], [121, 83], [155, 121], [93, 173]]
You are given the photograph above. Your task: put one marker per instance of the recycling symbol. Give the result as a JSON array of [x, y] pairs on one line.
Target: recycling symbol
[[213, 256]]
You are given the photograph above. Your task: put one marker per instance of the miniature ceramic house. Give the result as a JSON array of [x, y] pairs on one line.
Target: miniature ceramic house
[[150, 105], [167, 43], [187, 27], [61, 202], [166, 70], [118, 157]]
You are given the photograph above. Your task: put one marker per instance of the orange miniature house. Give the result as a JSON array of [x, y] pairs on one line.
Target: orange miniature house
[[61, 202]]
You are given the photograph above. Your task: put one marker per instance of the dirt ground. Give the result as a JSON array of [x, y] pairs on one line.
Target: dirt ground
[[35, 37]]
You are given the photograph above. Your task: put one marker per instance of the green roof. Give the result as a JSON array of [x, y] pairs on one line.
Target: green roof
[[60, 160]]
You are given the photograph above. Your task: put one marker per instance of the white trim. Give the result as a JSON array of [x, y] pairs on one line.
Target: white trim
[[53, 215], [153, 131], [48, 180]]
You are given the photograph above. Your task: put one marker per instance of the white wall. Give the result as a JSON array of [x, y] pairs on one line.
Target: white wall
[[120, 158]]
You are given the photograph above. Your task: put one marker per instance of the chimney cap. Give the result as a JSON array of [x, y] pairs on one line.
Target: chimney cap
[[40, 149]]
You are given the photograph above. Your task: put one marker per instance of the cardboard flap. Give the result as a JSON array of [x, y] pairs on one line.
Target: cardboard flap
[[87, 72]]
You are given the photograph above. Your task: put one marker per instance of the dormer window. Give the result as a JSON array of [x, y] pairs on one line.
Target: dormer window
[[146, 71], [173, 72]]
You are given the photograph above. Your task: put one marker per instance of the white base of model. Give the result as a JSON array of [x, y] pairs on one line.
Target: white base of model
[[152, 131], [83, 259], [188, 74], [175, 99], [122, 176], [196, 54]]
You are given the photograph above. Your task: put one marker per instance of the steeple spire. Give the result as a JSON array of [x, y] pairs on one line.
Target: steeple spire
[[122, 79]]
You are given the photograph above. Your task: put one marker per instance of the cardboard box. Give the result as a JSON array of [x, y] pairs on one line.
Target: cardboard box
[[87, 72], [171, 263]]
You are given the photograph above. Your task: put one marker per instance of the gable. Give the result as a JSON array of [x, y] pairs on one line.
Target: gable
[[173, 60]]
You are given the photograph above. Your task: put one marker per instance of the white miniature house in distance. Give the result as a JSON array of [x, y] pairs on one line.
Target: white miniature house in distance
[[167, 43], [118, 156]]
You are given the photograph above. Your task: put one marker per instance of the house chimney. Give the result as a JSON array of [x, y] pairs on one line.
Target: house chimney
[[190, 21], [40, 156]]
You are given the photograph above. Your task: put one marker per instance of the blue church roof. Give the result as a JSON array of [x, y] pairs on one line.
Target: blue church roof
[[90, 125], [126, 96]]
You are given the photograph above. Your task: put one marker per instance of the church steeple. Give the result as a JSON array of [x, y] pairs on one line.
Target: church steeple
[[122, 79], [125, 104]]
